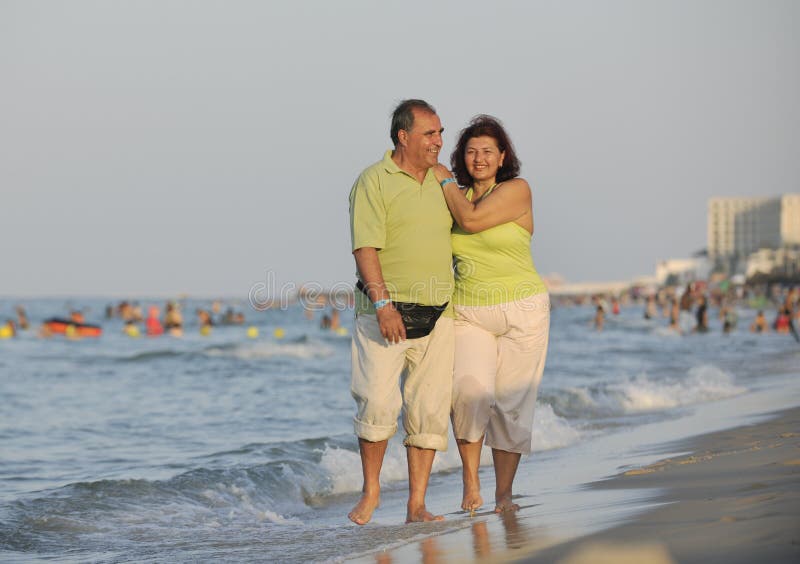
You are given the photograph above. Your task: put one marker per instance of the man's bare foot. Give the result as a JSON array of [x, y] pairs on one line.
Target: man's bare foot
[[422, 515], [472, 499], [362, 512], [504, 504]]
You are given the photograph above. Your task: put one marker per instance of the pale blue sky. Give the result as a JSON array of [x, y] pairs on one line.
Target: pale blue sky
[[157, 147]]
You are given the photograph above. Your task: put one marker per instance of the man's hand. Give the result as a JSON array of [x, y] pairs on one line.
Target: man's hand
[[391, 324], [441, 172], [389, 319]]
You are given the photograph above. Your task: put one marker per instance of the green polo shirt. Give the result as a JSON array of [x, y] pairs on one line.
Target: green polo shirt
[[409, 224]]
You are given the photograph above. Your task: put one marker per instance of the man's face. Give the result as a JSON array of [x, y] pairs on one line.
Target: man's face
[[424, 141]]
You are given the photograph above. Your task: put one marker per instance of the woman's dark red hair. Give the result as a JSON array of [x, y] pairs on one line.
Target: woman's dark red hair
[[484, 126]]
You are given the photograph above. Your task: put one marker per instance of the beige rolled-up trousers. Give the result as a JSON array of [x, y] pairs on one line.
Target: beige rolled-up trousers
[[415, 376], [499, 362]]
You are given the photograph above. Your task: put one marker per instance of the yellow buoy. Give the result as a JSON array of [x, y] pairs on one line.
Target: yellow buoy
[[205, 330], [132, 331], [279, 333], [6, 332], [252, 332], [341, 331]]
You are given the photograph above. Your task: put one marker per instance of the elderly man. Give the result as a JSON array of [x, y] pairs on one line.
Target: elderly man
[[403, 340]]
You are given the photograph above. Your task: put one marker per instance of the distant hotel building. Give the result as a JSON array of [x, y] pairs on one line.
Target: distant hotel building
[[739, 227]]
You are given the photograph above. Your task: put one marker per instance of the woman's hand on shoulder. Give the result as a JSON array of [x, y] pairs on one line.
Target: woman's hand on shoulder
[[441, 172]]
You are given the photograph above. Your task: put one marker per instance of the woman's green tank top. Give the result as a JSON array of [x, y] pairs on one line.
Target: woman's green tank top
[[493, 266]]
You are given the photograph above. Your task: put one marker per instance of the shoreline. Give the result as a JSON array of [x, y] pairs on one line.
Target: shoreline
[[732, 496]]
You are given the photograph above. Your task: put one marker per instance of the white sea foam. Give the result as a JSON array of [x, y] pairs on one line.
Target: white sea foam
[[240, 503], [266, 349], [273, 517], [644, 393], [344, 466], [551, 431]]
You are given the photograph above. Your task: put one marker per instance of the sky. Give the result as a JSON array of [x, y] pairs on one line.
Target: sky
[[158, 148]]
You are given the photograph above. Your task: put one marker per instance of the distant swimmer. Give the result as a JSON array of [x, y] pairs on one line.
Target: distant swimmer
[[674, 315], [599, 317], [598, 321], [686, 320], [136, 312], [650, 310], [702, 316], [759, 324], [792, 300], [687, 299], [785, 324], [125, 311], [325, 322], [781, 323], [729, 318], [204, 318], [152, 324], [22, 318], [173, 320], [131, 329], [331, 321]]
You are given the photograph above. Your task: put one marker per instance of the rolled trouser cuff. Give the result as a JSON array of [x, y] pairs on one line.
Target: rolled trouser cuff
[[427, 440], [373, 433]]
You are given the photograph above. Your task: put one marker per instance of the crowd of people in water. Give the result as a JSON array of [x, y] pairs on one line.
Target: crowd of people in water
[[684, 312], [688, 312], [135, 322], [150, 320]]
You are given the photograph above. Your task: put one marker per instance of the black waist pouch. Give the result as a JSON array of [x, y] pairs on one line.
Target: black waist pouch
[[419, 320]]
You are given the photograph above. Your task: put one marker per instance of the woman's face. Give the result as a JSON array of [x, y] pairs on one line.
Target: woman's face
[[483, 158]]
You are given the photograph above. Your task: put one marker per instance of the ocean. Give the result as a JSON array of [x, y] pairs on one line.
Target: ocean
[[226, 447]]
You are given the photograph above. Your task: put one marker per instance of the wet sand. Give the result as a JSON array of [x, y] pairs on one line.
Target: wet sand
[[734, 499]]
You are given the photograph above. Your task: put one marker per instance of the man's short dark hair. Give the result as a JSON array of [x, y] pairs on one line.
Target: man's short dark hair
[[403, 116]]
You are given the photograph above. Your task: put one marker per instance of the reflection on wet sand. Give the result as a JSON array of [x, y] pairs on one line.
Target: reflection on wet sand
[[488, 543]]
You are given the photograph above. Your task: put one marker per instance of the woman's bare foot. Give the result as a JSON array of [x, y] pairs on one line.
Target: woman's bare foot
[[472, 499], [504, 504], [421, 515], [362, 512]]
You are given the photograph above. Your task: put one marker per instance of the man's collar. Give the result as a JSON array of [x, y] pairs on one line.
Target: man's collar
[[389, 164], [392, 168]]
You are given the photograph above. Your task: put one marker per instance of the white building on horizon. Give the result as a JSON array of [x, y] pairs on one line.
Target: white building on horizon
[[785, 261], [738, 227], [679, 272]]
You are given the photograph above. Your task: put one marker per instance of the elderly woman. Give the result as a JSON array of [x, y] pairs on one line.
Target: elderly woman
[[501, 304]]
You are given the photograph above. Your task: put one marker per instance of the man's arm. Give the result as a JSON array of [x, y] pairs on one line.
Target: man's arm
[[369, 269]]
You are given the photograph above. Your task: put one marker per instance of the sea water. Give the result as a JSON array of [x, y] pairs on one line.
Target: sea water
[[224, 447]]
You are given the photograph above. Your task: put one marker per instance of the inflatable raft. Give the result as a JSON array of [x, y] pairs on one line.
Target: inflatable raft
[[67, 327]]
